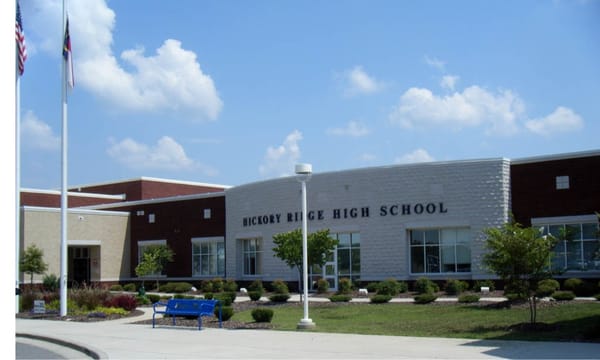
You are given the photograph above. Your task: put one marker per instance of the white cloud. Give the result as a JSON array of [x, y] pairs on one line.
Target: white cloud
[[353, 129], [280, 161], [560, 121], [449, 81], [436, 63], [359, 82], [417, 156], [167, 154], [170, 80], [37, 134], [366, 157], [420, 108]]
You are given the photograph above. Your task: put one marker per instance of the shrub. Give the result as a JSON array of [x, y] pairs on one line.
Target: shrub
[[425, 286], [26, 299], [208, 296], [468, 298], [597, 297], [344, 286], [256, 285], [262, 315], [546, 287], [322, 286], [280, 287], [255, 295], [116, 287], [176, 287], [217, 284], [389, 287], [51, 282], [129, 287], [372, 287], [425, 298], [380, 298], [279, 297], [572, 284], [563, 295], [124, 301], [154, 298], [206, 286], [226, 312], [455, 287], [230, 286], [477, 285], [142, 300], [226, 299], [340, 298]]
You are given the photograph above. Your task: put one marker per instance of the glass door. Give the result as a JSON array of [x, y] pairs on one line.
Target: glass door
[[330, 271]]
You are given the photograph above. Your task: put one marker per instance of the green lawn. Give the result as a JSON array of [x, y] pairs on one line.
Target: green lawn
[[573, 321]]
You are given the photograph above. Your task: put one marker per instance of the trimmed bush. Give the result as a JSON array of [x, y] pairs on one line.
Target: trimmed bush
[[230, 286], [279, 298], [425, 286], [255, 295], [176, 287], [455, 287], [256, 285], [116, 287], [597, 297], [142, 300], [226, 312], [340, 298], [154, 298], [372, 287], [262, 315], [380, 299], [425, 298], [129, 287], [209, 296], [344, 286], [206, 286], [217, 284], [546, 287], [322, 286], [225, 298], [563, 295], [389, 287], [468, 298], [280, 287]]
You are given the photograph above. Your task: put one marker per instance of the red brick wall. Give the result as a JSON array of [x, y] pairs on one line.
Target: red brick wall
[[53, 200], [534, 193]]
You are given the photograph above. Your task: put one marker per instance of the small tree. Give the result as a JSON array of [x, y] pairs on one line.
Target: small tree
[[521, 257], [289, 248], [154, 260], [32, 261]]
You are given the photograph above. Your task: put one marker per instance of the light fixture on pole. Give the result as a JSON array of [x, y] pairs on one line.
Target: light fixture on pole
[[304, 172]]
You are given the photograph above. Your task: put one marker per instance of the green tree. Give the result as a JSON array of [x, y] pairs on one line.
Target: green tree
[[32, 261], [289, 248], [154, 260], [521, 257]]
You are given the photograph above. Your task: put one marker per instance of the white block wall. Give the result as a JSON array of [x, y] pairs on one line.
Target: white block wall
[[475, 194]]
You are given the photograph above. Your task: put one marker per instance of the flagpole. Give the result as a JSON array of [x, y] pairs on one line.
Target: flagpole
[[64, 198], [17, 178]]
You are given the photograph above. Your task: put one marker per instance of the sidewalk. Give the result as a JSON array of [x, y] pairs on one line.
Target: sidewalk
[[119, 339]]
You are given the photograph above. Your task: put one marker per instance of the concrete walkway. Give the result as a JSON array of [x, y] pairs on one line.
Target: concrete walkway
[[119, 339]]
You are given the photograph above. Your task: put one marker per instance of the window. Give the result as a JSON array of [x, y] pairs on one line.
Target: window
[[440, 251], [143, 246], [562, 182], [348, 255], [151, 218], [252, 256], [578, 248], [207, 213], [208, 256]]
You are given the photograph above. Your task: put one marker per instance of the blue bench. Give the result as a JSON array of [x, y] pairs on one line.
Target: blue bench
[[187, 307]]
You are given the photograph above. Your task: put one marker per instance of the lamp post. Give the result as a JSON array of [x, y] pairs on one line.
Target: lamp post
[[304, 171]]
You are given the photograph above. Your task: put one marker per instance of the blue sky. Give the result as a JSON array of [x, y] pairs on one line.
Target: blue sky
[[231, 92]]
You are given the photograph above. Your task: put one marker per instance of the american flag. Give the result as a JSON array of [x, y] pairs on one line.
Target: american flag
[[67, 55], [20, 38]]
